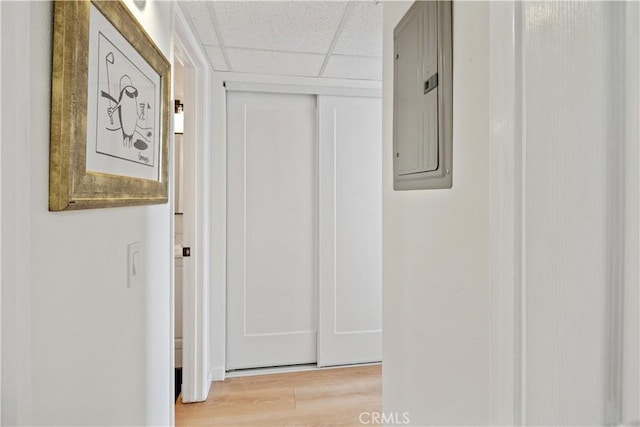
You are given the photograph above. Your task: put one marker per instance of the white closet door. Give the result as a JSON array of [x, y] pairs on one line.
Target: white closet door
[[350, 227], [272, 226]]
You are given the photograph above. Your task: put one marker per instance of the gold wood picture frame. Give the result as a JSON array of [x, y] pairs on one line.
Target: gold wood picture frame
[[110, 110]]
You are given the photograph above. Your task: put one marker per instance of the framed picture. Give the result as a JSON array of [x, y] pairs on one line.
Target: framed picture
[[110, 110]]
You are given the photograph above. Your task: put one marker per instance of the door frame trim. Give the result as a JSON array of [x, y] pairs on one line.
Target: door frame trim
[[508, 191], [197, 375]]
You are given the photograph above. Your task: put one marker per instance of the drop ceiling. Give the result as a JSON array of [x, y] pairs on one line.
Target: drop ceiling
[[337, 39]]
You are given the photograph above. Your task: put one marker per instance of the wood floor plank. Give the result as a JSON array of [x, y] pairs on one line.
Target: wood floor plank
[[328, 397]]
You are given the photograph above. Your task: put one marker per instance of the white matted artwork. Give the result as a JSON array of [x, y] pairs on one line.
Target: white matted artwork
[[123, 106]]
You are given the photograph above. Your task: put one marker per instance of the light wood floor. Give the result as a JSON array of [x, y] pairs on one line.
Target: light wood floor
[[328, 397]]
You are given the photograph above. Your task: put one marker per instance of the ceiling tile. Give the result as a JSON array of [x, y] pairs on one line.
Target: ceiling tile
[[354, 67], [217, 58], [297, 26], [198, 12], [362, 31], [268, 62]]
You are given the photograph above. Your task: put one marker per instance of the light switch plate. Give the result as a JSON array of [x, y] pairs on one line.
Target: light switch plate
[[135, 264]]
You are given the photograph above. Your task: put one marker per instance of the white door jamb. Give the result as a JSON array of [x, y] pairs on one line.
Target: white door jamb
[[196, 375]]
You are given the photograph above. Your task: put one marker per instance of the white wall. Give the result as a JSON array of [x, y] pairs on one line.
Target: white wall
[[436, 250], [79, 347]]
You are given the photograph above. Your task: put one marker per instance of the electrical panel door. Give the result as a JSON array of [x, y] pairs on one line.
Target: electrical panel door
[[423, 98], [408, 97]]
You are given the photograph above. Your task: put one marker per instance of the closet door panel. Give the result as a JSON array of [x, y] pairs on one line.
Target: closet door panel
[[272, 205], [350, 225]]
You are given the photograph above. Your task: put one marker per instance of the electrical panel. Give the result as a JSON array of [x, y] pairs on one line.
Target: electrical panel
[[423, 98]]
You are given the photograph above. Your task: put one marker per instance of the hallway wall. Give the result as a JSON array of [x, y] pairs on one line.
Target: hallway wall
[[79, 347], [436, 288]]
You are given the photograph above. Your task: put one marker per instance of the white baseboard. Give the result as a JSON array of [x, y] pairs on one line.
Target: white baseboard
[[217, 374]]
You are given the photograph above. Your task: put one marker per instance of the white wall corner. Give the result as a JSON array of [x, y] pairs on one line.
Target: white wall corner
[[505, 213]]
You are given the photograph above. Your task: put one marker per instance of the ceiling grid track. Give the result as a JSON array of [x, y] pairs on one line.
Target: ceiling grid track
[[216, 26], [261, 49], [345, 16]]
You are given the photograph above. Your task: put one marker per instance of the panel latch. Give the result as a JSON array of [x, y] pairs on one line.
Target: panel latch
[[431, 83]]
